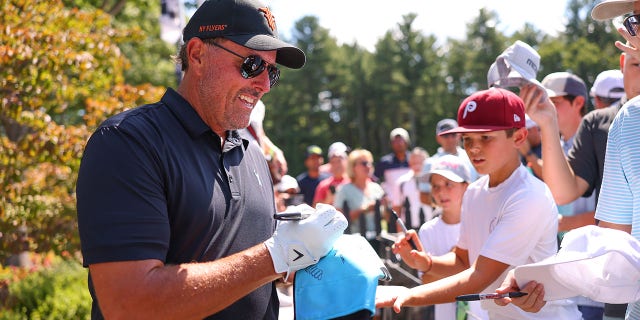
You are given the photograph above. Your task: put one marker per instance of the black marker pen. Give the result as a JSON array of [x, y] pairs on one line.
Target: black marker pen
[[485, 296], [404, 229]]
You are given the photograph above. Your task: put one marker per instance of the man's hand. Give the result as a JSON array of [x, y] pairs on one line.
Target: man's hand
[[632, 44], [299, 244], [532, 302]]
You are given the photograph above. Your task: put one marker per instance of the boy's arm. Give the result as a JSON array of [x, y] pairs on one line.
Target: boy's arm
[[448, 264], [472, 280], [434, 268]]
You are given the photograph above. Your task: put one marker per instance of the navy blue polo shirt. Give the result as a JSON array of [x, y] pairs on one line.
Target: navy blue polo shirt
[[155, 183], [390, 161]]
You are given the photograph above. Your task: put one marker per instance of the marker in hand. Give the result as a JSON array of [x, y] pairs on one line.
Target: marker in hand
[[404, 229], [485, 296]]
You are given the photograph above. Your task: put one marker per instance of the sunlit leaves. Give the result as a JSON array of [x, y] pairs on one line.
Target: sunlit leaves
[[61, 74]]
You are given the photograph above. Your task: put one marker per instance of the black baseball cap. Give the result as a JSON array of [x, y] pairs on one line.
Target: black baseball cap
[[249, 23]]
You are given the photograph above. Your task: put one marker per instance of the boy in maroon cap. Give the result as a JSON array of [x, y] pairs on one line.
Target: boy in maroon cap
[[508, 216]]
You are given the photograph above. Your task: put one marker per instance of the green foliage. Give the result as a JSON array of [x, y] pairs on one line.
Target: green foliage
[[61, 73], [57, 292]]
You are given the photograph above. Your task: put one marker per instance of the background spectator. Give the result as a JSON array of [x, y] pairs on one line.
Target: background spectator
[[309, 180], [326, 190], [607, 88]]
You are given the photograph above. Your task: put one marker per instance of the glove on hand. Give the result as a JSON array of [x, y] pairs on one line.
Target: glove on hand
[[297, 244]]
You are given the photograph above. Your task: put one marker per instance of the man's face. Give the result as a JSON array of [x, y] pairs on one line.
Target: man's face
[[567, 111], [630, 67], [224, 98], [449, 142], [416, 162], [398, 145], [338, 165], [313, 162]]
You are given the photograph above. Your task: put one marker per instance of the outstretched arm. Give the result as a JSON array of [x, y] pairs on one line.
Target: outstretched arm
[[556, 172]]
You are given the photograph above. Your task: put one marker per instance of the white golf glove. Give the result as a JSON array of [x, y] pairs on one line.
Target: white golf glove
[[297, 244]]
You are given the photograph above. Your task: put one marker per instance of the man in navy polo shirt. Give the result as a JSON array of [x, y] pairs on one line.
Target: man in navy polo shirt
[[175, 209]]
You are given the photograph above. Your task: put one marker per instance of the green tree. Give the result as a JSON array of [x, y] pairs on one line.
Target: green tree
[[62, 73], [150, 55], [296, 116]]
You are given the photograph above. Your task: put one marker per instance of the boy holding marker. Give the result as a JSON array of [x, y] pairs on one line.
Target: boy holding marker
[[508, 217]]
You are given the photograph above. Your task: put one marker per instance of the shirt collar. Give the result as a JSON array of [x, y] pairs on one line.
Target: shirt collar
[[185, 113], [192, 122]]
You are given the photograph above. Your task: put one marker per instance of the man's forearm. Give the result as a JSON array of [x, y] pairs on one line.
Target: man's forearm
[[623, 227], [149, 289], [582, 219]]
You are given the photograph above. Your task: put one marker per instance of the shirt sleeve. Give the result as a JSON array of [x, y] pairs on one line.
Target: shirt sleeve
[[582, 156], [615, 204], [122, 211]]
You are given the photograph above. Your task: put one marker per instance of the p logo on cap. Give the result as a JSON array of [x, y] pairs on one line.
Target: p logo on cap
[[490, 110], [470, 107]]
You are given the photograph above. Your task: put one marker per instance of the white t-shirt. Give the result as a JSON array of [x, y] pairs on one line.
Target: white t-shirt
[[515, 223], [438, 238]]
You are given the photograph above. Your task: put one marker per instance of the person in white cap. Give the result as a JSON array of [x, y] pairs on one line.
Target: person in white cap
[[613, 9], [410, 194], [587, 166], [394, 164], [448, 144], [337, 167], [607, 88], [449, 178]]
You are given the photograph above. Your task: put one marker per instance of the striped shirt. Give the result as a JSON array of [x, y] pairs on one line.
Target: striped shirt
[[619, 201]]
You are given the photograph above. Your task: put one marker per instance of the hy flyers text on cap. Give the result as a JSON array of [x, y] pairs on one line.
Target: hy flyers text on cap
[[249, 23]]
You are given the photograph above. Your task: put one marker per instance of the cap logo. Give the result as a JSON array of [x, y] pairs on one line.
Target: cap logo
[[532, 65], [470, 107], [271, 20], [516, 118], [448, 165], [212, 27]]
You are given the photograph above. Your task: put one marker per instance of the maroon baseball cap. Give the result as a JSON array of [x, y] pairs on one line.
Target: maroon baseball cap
[[490, 110]]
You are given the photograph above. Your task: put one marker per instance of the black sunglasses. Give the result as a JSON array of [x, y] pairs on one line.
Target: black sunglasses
[[364, 163], [631, 23], [254, 65]]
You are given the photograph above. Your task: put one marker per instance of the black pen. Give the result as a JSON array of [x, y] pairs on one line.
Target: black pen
[[404, 229], [485, 296]]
